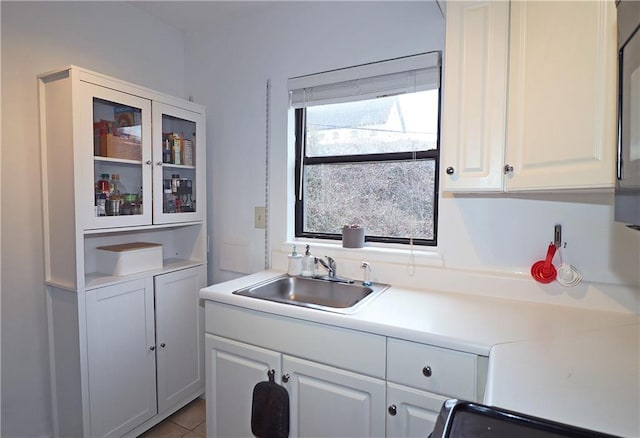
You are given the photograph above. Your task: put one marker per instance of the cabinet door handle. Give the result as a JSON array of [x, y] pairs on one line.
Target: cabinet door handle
[[158, 163], [163, 345], [285, 378], [148, 162], [152, 348], [393, 410], [450, 170], [426, 371], [508, 168]]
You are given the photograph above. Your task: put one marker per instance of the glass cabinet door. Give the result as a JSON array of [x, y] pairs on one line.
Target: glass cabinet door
[[178, 154], [118, 190]]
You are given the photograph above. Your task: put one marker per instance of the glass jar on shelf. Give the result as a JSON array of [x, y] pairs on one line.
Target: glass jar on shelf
[[116, 196]]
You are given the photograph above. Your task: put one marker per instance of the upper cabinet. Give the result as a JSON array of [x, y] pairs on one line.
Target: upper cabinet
[[137, 155], [530, 96]]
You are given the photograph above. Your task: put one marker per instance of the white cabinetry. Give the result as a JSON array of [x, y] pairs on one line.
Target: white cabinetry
[[126, 351], [529, 96], [121, 355], [179, 330], [233, 369], [330, 402], [340, 382], [411, 412], [421, 377], [324, 400]]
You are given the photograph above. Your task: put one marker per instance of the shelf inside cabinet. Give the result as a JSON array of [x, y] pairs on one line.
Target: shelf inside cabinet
[[116, 160], [178, 166], [139, 228], [95, 280]]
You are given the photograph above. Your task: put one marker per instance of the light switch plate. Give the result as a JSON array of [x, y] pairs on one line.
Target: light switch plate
[[260, 217]]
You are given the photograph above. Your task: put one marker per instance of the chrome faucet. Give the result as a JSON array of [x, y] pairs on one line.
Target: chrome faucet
[[330, 266]]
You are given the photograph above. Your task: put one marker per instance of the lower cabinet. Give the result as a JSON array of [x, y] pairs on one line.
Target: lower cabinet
[[324, 401], [421, 377], [330, 395], [121, 356], [330, 402], [127, 355], [233, 369], [410, 411]]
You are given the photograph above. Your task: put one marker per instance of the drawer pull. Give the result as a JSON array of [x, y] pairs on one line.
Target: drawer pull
[[285, 378], [393, 410], [426, 371]]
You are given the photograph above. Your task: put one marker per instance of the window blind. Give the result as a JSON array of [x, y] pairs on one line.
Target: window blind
[[396, 76]]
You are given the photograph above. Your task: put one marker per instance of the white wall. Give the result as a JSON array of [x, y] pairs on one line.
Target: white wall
[[480, 237], [226, 69], [229, 67], [110, 37]]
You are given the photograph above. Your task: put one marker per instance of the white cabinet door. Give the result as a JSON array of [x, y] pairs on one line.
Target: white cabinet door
[[329, 402], [179, 329], [475, 88], [544, 73], [105, 146], [233, 369], [561, 129], [121, 357], [179, 163], [411, 412]]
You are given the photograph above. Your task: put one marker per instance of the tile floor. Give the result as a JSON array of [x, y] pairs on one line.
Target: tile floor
[[188, 422]]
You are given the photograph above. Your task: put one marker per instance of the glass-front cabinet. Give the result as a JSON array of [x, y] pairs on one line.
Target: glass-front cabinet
[[177, 143], [118, 191], [144, 161]]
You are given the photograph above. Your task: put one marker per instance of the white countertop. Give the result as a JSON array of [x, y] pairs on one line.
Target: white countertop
[[555, 355], [468, 323]]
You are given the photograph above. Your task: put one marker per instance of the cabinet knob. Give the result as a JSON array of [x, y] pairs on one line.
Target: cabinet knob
[[285, 378], [148, 162], [393, 410], [450, 170], [508, 168], [163, 345], [158, 163], [426, 371], [152, 348]]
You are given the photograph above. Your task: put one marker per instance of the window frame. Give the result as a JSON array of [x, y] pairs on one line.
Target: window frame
[[302, 160]]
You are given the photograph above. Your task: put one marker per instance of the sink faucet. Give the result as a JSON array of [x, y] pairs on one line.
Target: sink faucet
[[329, 265]]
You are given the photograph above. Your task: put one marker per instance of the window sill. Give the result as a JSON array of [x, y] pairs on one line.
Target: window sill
[[371, 252]]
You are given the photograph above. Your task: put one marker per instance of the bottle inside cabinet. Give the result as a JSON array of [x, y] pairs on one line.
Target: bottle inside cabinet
[[117, 150]]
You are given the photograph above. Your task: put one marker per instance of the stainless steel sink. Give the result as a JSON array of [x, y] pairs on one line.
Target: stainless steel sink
[[314, 293]]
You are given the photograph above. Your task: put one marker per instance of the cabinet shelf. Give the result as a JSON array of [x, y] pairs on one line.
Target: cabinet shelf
[[178, 166], [96, 280], [99, 231], [116, 160]]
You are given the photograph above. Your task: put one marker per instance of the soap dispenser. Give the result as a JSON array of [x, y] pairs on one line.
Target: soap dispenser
[[295, 263], [307, 263]]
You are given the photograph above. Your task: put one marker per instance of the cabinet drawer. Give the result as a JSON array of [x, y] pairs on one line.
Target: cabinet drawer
[[350, 350], [433, 369]]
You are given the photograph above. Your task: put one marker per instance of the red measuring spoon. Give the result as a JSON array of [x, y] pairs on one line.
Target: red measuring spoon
[[543, 270]]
